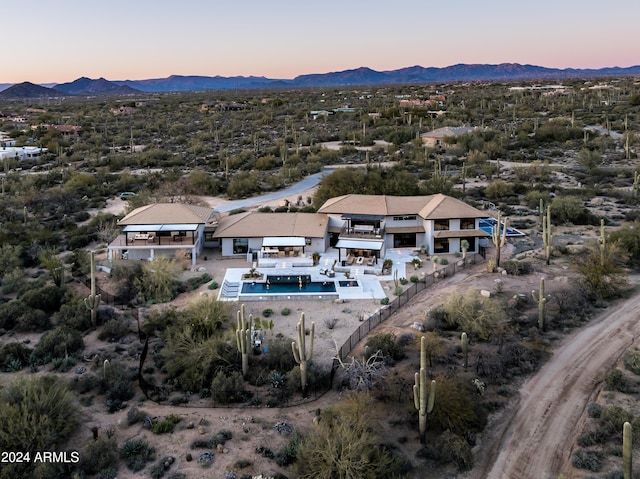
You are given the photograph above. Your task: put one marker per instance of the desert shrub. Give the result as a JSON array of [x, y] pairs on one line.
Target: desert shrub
[[589, 460], [46, 298], [58, 343], [267, 312], [135, 415], [570, 209], [414, 278], [345, 444], [456, 408], [228, 388], [451, 449], [615, 380], [36, 414], [279, 356], [285, 312], [594, 410], [384, 301], [478, 316], [587, 439], [214, 285], [136, 453], [99, 455], [116, 382], [632, 360], [288, 454], [316, 377], [611, 421], [516, 268], [221, 437], [74, 314], [166, 425], [385, 342], [114, 329], [14, 353]]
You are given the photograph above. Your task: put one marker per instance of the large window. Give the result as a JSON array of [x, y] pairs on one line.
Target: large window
[[467, 223], [240, 245], [441, 245], [404, 240], [441, 225]]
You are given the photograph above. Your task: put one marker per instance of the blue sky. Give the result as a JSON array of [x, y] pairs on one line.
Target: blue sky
[[47, 41]]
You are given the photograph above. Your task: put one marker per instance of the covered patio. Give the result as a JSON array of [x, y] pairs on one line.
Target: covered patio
[[359, 252]]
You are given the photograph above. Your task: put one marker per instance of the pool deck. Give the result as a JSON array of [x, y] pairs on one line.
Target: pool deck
[[369, 285]]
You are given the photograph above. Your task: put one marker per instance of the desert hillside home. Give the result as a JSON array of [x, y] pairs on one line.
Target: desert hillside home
[[162, 229]]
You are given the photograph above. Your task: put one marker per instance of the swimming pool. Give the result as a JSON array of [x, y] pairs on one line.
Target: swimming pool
[[289, 287], [487, 224]]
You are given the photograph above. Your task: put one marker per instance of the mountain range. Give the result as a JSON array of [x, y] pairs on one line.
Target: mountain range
[[357, 77]]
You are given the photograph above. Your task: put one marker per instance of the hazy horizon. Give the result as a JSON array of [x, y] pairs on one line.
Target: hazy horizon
[[144, 39]]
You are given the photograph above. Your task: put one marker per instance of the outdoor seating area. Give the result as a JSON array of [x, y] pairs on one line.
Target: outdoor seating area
[[360, 258]]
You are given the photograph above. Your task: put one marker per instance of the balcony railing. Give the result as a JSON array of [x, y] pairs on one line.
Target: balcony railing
[[361, 231]]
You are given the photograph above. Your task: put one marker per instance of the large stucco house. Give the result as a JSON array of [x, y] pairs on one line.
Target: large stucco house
[[273, 238], [361, 227], [163, 229]]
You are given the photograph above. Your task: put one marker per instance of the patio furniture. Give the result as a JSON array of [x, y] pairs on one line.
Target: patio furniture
[[360, 260]]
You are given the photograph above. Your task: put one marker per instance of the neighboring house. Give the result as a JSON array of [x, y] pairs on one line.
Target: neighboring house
[[273, 238], [438, 137], [162, 229], [368, 225], [21, 152]]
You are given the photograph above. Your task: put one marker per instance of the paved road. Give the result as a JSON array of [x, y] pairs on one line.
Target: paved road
[[303, 185]]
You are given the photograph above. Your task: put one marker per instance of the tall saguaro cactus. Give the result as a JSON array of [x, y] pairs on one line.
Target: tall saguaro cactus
[[464, 342], [93, 300], [602, 242], [547, 235], [243, 339], [627, 463], [499, 237], [541, 299], [422, 404], [300, 353]]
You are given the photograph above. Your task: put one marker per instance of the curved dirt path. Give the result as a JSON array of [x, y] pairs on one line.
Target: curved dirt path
[[535, 435]]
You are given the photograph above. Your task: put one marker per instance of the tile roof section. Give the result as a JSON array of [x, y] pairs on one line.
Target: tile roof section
[[167, 213], [430, 207], [256, 225]]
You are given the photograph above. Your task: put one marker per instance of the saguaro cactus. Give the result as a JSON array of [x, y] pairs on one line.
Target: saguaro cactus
[[499, 238], [93, 300], [627, 435], [300, 353], [541, 299], [464, 341], [602, 242], [547, 235], [243, 339], [422, 404], [636, 183]]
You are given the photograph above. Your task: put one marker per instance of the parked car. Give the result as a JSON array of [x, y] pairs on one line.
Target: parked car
[[126, 195]]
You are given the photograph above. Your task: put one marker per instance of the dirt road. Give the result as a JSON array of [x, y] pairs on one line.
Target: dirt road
[[535, 435]]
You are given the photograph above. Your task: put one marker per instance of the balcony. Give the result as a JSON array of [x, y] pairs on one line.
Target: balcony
[[362, 232]]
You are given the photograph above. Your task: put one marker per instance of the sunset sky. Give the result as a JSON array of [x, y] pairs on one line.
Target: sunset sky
[[56, 42]]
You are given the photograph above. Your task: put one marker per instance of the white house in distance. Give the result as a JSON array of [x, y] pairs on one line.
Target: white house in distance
[[162, 229], [21, 152], [438, 138]]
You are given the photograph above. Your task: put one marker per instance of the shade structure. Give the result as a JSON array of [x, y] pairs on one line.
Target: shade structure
[[360, 244], [271, 241]]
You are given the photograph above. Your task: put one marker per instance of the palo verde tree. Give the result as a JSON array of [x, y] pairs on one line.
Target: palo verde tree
[[345, 444]]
